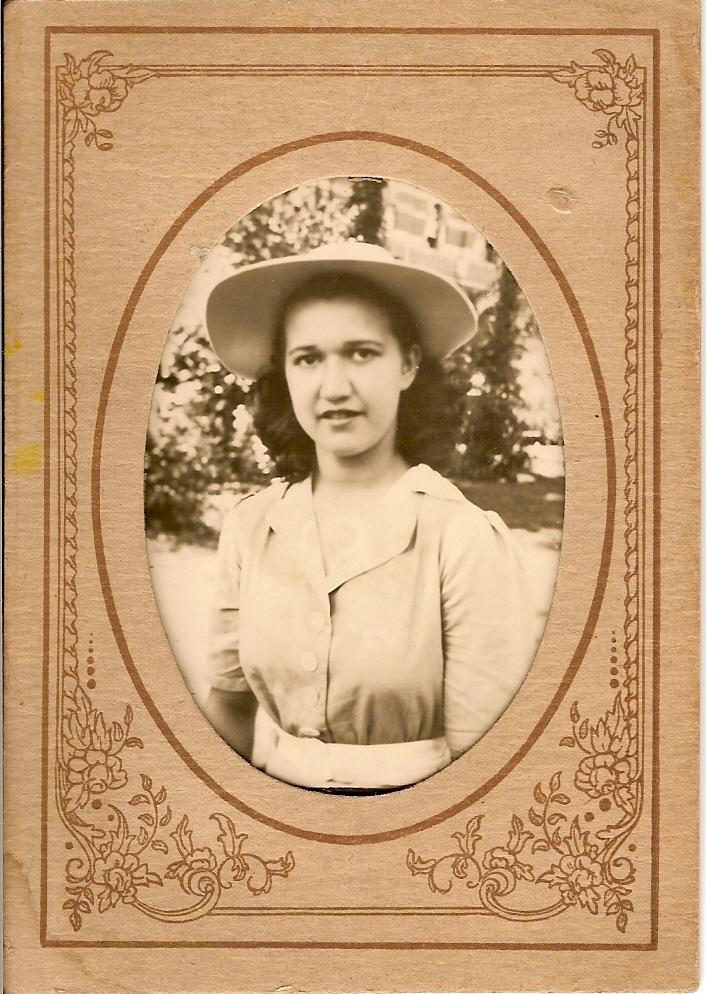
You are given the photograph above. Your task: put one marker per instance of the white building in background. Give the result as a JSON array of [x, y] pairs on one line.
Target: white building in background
[[422, 230], [426, 232]]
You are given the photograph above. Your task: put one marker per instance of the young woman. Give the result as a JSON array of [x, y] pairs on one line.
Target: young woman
[[374, 614]]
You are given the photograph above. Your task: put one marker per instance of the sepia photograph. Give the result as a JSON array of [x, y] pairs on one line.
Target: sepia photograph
[[354, 485]]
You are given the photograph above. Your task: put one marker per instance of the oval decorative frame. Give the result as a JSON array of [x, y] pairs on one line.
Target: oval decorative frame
[[601, 581]]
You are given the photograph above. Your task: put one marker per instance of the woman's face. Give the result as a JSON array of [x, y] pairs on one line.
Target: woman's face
[[345, 371]]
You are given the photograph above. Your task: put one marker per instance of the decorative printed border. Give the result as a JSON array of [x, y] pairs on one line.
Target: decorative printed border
[[114, 862]]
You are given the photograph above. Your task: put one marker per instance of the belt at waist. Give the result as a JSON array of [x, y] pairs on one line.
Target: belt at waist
[[310, 762]]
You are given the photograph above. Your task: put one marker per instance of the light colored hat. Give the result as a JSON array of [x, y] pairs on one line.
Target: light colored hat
[[242, 310]]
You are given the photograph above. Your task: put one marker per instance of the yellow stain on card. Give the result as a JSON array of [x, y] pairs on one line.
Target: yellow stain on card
[[26, 459], [38, 395], [13, 345]]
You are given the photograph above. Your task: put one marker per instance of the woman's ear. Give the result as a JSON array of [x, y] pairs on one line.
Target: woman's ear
[[410, 365]]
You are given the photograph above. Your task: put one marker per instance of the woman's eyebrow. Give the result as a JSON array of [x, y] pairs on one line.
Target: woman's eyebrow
[[350, 343], [303, 348], [357, 343]]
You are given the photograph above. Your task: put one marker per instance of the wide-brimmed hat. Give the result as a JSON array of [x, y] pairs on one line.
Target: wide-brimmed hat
[[242, 309]]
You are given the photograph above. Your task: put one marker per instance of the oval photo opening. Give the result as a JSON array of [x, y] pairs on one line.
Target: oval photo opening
[[354, 486]]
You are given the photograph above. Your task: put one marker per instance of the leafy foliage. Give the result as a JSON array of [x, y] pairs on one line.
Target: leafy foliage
[[490, 446]]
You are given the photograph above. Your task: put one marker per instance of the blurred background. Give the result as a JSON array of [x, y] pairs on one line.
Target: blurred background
[[202, 452]]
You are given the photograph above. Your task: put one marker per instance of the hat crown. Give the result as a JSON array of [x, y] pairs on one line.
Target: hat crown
[[350, 250]]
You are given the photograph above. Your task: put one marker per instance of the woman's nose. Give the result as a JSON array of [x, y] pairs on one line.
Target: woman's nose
[[335, 383]]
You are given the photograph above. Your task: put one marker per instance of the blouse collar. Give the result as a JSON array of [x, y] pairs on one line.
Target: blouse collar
[[425, 480], [292, 517]]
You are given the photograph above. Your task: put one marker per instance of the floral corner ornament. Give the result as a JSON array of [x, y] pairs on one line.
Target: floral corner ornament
[[580, 869], [122, 840], [87, 89], [611, 89], [585, 868], [117, 864]]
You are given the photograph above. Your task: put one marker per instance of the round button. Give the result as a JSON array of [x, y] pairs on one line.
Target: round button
[[309, 661], [317, 620], [309, 733], [310, 695]]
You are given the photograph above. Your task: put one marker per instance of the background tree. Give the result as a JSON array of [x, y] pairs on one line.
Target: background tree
[[367, 203], [490, 444]]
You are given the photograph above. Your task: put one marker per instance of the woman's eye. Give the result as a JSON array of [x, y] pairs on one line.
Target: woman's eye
[[307, 359], [363, 354]]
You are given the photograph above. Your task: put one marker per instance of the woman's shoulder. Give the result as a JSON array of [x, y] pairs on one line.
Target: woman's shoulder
[[445, 501], [462, 526], [251, 509]]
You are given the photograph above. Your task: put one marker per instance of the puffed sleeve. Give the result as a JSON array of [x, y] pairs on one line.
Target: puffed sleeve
[[486, 611], [223, 669]]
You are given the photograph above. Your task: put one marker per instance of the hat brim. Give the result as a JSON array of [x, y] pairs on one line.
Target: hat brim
[[242, 310]]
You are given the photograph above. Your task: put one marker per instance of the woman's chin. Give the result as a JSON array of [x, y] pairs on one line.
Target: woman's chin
[[349, 449], [348, 452], [353, 445]]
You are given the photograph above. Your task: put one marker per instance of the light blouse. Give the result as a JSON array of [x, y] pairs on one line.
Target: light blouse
[[422, 631]]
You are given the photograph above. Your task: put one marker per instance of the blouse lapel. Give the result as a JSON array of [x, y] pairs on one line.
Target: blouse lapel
[[392, 529], [381, 538], [292, 518]]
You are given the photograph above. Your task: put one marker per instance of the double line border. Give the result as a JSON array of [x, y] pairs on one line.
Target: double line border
[[69, 537]]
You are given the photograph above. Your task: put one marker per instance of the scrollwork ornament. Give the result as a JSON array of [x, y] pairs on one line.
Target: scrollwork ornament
[[122, 858], [584, 868]]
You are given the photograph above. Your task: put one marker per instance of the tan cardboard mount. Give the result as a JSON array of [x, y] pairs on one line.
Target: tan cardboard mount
[[560, 853]]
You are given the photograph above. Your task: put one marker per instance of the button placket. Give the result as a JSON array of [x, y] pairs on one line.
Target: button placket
[[310, 696], [313, 667], [325, 635], [317, 621]]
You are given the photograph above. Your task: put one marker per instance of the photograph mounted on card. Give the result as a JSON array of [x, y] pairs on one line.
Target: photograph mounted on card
[[370, 663], [344, 452]]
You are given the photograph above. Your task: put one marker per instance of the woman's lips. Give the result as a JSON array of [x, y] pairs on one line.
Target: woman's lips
[[341, 415]]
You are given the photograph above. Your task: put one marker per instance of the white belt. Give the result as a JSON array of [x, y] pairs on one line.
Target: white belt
[[310, 762]]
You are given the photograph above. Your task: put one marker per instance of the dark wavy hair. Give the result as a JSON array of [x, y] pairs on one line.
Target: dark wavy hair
[[429, 411]]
